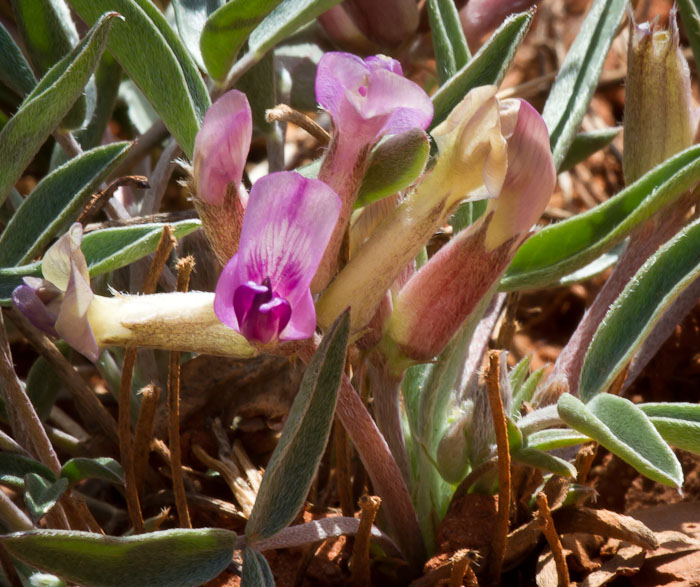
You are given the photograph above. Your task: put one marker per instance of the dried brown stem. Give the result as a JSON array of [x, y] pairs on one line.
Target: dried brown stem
[[165, 245], [584, 461], [498, 547], [99, 199], [369, 506], [184, 269], [85, 398], [143, 433], [284, 113], [461, 565], [550, 533]]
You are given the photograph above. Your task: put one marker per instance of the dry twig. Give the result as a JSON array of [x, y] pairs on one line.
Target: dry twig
[[369, 506], [499, 422], [550, 533]]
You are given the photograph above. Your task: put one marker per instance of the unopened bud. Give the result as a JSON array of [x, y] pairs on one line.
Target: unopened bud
[[659, 119]]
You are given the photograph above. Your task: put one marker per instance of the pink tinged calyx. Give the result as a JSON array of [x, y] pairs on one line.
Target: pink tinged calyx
[[221, 147], [263, 291]]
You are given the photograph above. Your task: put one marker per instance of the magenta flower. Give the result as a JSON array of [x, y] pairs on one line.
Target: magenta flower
[[221, 147], [368, 99], [263, 292]]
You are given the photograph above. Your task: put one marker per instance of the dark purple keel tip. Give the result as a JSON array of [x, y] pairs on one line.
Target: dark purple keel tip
[[27, 301], [261, 314]]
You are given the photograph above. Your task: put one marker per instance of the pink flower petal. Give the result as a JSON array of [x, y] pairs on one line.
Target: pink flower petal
[[221, 146], [370, 98], [286, 228]]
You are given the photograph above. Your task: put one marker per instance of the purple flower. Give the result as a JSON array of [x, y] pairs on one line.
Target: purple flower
[[367, 99], [221, 147], [59, 304], [370, 98], [263, 292]]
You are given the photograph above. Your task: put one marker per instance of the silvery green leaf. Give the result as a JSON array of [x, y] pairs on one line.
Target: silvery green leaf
[[293, 464], [256, 571], [15, 72], [564, 247], [56, 202], [191, 16], [49, 101], [227, 29], [661, 279], [578, 75], [587, 143], [622, 428], [170, 558], [488, 66], [449, 43], [105, 468], [394, 165], [144, 43], [41, 495], [14, 467]]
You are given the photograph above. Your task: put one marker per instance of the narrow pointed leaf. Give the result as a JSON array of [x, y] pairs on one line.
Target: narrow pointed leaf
[[449, 42], [690, 15], [155, 58], [41, 495], [555, 438], [587, 143], [578, 76], [56, 202], [488, 66], [15, 72], [111, 248], [14, 468], [675, 411], [227, 29], [638, 308], [679, 433], [282, 22], [191, 16], [622, 428], [542, 460], [105, 468], [49, 33], [47, 104], [605, 261], [256, 571], [394, 165], [105, 250], [294, 462], [571, 244], [171, 558]]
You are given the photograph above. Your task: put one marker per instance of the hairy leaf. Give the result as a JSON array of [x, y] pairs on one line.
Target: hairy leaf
[[621, 427], [56, 202], [171, 558], [294, 462], [642, 303], [49, 101]]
